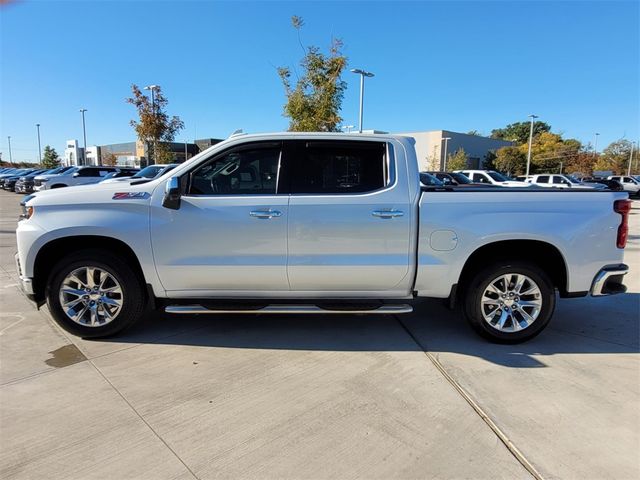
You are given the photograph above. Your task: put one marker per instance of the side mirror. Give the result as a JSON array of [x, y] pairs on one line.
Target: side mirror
[[77, 174], [172, 194]]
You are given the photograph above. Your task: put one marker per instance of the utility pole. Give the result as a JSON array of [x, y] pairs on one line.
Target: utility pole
[[362, 74], [11, 158], [532, 117], [84, 134], [153, 112], [444, 160], [39, 149], [628, 168], [595, 146]]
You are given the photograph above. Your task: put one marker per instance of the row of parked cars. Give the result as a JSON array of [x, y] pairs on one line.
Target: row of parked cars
[[464, 178], [30, 180]]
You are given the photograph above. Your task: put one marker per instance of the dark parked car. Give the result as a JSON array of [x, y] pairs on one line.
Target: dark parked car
[[614, 185], [9, 183], [455, 179], [25, 182]]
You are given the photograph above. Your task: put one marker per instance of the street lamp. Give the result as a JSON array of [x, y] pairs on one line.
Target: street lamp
[[347, 128], [84, 135], [362, 74], [533, 117], [39, 149], [11, 158], [595, 144], [444, 161], [153, 88], [628, 168]]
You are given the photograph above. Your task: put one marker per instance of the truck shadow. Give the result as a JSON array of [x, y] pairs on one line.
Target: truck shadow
[[580, 326]]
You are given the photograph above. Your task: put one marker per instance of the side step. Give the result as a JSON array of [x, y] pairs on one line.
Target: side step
[[293, 308]]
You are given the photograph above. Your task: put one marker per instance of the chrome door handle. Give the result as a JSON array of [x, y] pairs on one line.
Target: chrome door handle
[[387, 213], [265, 213]]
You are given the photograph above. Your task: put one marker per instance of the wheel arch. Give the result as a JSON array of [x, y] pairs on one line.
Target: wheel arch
[[543, 254], [49, 254]]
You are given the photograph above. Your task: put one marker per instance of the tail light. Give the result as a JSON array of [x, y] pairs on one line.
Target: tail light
[[623, 207]]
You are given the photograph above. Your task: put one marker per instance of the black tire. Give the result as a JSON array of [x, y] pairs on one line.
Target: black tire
[[134, 298], [474, 291]]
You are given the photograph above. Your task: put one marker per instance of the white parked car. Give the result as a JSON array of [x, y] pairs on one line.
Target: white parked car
[[74, 176], [316, 223], [491, 177], [557, 180], [630, 184]]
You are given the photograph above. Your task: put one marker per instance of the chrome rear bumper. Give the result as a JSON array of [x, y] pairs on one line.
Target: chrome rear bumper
[[608, 281]]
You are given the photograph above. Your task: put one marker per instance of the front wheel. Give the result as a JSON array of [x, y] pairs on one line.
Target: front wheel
[[93, 293], [509, 302]]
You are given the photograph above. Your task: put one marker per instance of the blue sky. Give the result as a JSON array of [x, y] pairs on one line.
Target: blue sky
[[439, 65]]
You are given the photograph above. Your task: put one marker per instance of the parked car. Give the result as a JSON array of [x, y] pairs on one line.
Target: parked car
[[312, 223], [629, 183], [123, 172], [79, 176], [490, 177], [456, 179], [9, 183], [610, 184], [13, 183], [147, 173], [25, 182], [11, 173], [561, 181], [40, 180]]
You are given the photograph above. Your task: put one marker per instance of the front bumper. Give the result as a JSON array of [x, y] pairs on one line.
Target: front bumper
[[608, 281], [25, 282]]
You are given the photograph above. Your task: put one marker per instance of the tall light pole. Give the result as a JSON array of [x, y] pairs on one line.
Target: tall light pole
[[362, 74], [444, 161], [532, 117], [628, 168], [84, 135], [11, 158], [39, 149], [595, 145], [153, 111]]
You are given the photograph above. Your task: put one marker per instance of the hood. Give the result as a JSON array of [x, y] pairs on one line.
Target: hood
[[95, 193]]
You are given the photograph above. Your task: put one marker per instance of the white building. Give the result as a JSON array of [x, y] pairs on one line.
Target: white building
[[73, 154], [430, 148]]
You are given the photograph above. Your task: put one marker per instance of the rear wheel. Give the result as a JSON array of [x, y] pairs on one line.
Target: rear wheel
[[93, 293], [509, 302]]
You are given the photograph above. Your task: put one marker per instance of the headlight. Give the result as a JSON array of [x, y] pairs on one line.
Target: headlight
[[27, 213]]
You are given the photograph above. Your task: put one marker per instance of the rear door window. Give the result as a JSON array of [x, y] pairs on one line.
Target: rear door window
[[543, 179], [328, 167]]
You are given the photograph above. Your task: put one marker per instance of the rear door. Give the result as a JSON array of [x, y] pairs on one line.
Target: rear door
[[349, 217]]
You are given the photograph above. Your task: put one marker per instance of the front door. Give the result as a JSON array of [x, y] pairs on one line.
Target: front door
[[230, 232], [349, 218]]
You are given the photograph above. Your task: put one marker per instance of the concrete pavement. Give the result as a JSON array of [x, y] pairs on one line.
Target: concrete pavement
[[318, 396]]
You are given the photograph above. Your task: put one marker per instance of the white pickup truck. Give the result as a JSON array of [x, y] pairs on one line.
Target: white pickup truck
[[315, 223]]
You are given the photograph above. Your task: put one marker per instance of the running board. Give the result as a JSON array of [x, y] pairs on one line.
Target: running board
[[382, 310]]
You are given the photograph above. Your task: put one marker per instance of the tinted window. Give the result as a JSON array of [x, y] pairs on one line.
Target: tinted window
[[88, 172], [498, 177], [558, 180], [543, 179], [252, 170], [480, 178], [333, 167]]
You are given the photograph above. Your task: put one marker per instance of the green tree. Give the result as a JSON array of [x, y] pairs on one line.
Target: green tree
[[313, 104], [50, 159], [616, 156], [475, 133], [108, 159], [489, 160], [510, 160], [548, 150], [154, 125], [519, 132], [457, 161]]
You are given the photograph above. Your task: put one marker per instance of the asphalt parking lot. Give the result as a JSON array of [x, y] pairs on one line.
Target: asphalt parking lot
[[418, 396]]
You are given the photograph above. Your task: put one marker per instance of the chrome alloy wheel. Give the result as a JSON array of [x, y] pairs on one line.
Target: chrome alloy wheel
[[91, 296], [511, 302]]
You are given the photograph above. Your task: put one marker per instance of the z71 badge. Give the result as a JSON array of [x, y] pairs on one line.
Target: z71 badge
[[130, 195]]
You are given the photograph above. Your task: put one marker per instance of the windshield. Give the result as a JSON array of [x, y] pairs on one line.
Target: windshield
[[428, 179], [498, 177], [149, 172], [572, 179], [460, 178]]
